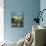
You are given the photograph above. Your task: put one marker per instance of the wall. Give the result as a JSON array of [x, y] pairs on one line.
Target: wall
[[1, 20], [43, 6], [29, 7]]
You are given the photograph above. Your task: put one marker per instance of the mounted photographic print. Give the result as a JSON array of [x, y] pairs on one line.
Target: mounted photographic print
[[17, 19]]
